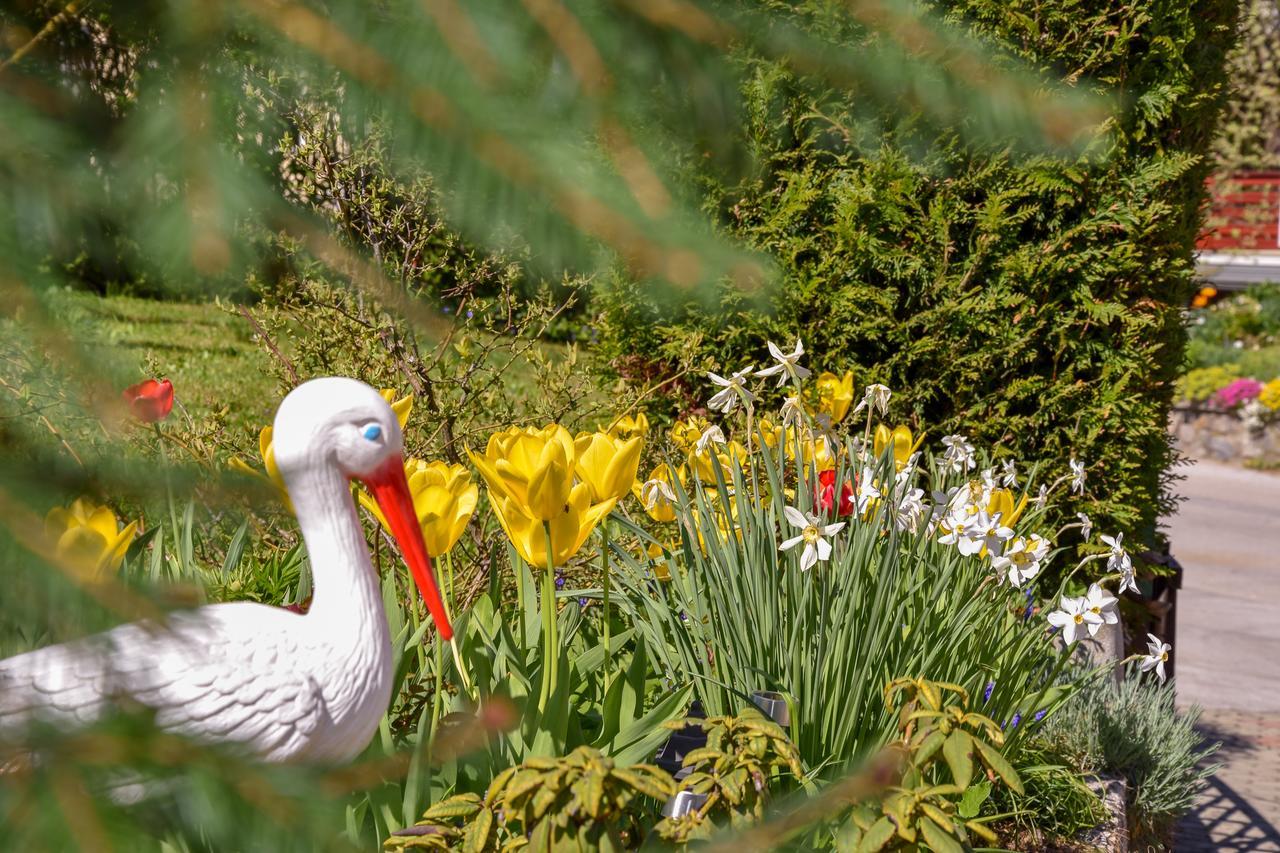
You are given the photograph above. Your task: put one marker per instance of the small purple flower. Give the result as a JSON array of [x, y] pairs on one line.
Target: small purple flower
[[1013, 724], [582, 602], [470, 313], [448, 309], [986, 694], [1040, 715], [559, 581], [1237, 393], [683, 617]]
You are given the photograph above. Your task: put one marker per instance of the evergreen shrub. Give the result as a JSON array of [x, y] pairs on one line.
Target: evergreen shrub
[[1033, 302]]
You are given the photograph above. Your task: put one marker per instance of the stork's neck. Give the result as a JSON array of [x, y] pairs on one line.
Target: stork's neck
[[345, 585]]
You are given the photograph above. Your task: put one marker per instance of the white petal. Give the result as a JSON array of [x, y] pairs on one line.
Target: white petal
[[808, 558], [1058, 618], [824, 549], [832, 529], [795, 516], [791, 543]]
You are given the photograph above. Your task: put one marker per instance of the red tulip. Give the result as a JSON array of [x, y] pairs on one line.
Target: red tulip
[[150, 400], [826, 496]]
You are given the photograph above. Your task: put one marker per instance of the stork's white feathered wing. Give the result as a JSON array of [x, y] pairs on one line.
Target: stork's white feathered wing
[[242, 673]]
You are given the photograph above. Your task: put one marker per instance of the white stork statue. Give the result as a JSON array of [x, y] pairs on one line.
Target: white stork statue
[[285, 686]]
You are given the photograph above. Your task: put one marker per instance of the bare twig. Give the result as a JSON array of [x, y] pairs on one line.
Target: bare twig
[[270, 344]]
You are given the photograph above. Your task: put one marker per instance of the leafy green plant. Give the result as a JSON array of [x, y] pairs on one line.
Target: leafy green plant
[[891, 598], [920, 810], [736, 771], [1133, 729], [583, 801], [1056, 802], [1202, 383]]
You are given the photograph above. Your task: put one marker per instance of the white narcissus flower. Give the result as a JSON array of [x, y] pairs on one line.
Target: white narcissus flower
[[711, 435], [812, 534], [911, 509], [988, 477], [1020, 562], [1077, 476], [1042, 497], [877, 397], [1074, 618], [792, 411], [1009, 476], [959, 453], [984, 531], [1086, 525], [1157, 655], [788, 366], [734, 390], [1118, 561], [656, 489], [1102, 604], [867, 491]]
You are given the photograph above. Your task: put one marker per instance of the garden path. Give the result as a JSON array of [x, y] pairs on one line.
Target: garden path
[[1227, 537]]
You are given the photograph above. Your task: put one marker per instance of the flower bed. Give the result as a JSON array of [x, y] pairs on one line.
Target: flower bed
[[1204, 432]]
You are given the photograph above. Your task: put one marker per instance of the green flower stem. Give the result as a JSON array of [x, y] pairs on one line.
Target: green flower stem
[[453, 641], [550, 646], [437, 699], [604, 527]]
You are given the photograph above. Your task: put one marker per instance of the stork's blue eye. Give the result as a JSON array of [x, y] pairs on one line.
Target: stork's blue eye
[[373, 432]]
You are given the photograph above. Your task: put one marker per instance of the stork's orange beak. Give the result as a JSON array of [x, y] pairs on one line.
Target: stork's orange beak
[[391, 490]]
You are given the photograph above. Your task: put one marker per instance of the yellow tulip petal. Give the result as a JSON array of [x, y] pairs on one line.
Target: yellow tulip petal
[[57, 522], [84, 550], [121, 546]]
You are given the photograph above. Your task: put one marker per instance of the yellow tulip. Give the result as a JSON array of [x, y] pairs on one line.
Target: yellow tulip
[[703, 466], [569, 527], [631, 426], [685, 433], [835, 395], [1001, 501], [401, 407], [658, 560], [606, 464], [770, 433], [443, 498], [270, 474], [654, 500], [88, 538], [532, 467], [900, 439]]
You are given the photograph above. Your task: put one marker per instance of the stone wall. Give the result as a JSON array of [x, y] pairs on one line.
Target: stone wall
[[1204, 433]]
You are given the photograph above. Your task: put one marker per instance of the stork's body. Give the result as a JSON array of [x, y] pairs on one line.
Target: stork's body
[[286, 686]]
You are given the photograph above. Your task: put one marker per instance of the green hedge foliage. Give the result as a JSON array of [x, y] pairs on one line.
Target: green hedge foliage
[[1032, 302]]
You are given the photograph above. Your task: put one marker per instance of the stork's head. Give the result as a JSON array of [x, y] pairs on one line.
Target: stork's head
[[346, 425]]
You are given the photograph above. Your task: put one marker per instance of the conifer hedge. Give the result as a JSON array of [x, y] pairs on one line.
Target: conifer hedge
[[1032, 302]]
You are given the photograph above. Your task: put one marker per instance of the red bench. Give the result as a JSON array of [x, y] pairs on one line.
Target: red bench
[[1243, 213]]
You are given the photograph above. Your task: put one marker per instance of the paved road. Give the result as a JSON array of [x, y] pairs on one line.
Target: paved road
[[1227, 537]]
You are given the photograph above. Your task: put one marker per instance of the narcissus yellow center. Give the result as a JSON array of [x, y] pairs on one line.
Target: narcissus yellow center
[[811, 534]]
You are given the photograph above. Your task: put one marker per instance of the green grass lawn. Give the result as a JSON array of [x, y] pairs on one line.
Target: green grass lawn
[[205, 349]]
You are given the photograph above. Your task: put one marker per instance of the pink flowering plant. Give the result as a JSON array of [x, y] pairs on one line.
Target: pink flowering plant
[[1237, 393]]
